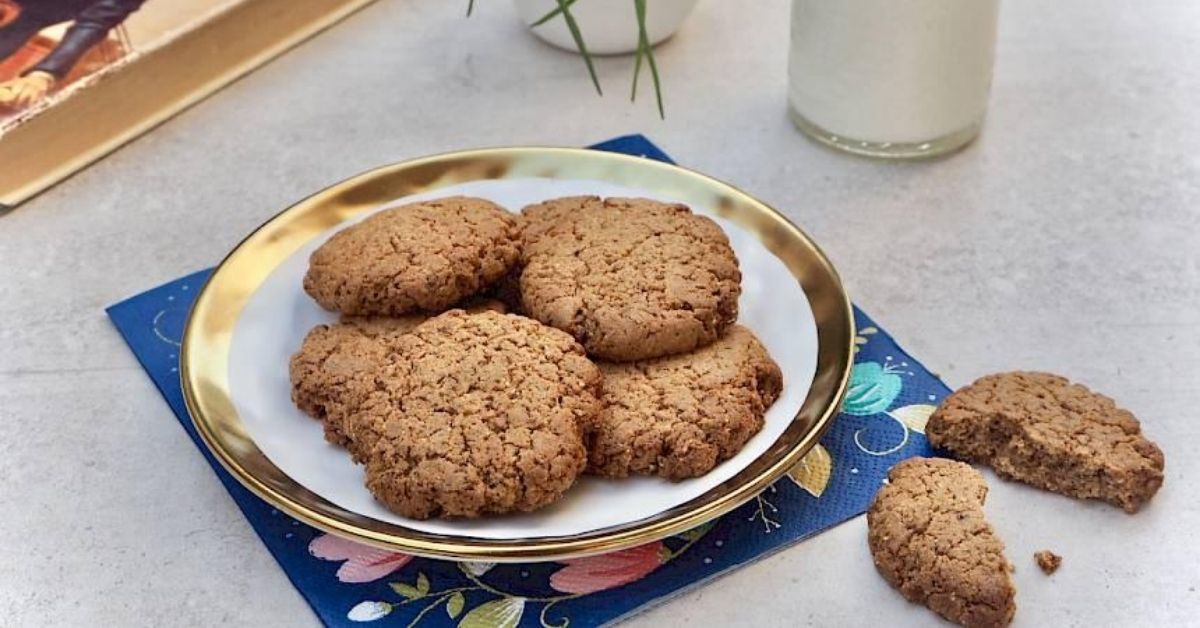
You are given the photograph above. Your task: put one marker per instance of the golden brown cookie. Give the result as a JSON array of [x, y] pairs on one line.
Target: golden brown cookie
[[420, 257], [336, 363], [630, 279], [679, 416], [333, 363], [930, 540], [477, 414], [1045, 431]]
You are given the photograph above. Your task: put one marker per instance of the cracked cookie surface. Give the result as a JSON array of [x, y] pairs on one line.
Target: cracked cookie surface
[[1045, 431], [629, 278], [329, 368], [476, 414], [330, 365], [420, 257], [679, 416], [930, 540]]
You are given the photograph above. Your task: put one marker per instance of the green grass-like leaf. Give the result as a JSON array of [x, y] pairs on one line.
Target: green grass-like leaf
[[644, 52], [549, 16], [573, 26], [637, 70], [645, 48]]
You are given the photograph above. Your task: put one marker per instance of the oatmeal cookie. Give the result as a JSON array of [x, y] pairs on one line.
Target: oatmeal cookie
[[477, 414], [1045, 431], [336, 363], [930, 541], [420, 257], [679, 416], [630, 279]]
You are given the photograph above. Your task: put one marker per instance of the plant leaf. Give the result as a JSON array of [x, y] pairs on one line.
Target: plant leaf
[[549, 16], [422, 583], [914, 417], [637, 70], [406, 590], [504, 612], [454, 605], [813, 471], [573, 26], [644, 43]]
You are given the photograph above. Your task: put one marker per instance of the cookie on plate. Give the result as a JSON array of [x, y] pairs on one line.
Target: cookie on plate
[[679, 416], [1045, 431], [420, 257], [930, 540], [336, 363], [477, 414], [332, 362], [630, 279]]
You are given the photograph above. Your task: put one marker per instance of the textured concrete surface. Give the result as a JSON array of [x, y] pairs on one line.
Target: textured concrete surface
[[1066, 239]]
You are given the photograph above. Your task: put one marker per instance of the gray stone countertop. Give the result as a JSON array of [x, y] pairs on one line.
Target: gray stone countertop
[[1066, 239]]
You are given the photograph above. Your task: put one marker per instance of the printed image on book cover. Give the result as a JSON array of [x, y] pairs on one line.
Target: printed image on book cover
[[49, 48]]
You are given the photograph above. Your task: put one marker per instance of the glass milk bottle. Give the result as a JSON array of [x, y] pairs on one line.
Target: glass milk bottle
[[891, 78]]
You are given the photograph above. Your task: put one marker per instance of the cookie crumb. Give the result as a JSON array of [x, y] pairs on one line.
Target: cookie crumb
[[1048, 561]]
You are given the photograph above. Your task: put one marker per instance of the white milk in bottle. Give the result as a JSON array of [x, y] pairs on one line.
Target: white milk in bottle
[[891, 78]]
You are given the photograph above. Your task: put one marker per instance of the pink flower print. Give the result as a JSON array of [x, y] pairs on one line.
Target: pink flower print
[[363, 562], [607, 571]]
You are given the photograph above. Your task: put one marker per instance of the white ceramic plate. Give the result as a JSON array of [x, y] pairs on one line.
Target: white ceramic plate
[[278, 315]]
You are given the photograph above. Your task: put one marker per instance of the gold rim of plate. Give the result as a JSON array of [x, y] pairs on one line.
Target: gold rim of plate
[[210, 326]]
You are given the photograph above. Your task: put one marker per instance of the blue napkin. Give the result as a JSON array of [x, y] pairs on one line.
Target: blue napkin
[[883, 419]]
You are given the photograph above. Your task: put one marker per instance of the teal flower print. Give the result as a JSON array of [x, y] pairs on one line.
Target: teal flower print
[[873, 387]]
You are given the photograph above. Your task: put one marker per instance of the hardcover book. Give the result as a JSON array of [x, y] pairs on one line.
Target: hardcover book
[[78, 78]]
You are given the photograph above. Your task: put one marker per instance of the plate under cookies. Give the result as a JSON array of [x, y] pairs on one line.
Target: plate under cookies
[[253, 313]]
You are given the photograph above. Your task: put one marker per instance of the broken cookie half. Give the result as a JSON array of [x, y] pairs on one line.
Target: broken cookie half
[[1043, 430], [930, 540]]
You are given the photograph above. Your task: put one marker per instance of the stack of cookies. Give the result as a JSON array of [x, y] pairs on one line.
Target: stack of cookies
[[484, 361]]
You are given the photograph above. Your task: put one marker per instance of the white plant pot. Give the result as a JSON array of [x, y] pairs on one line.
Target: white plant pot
[[609, 27]]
